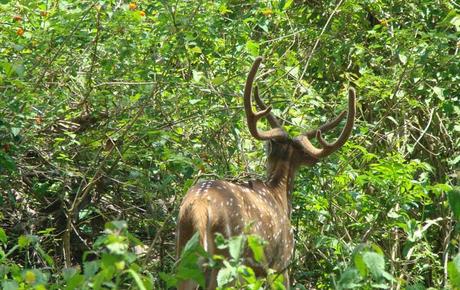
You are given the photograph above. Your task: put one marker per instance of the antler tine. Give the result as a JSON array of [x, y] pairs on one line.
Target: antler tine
[[329, 148], [276, 133], [326, 127], [272, 120]]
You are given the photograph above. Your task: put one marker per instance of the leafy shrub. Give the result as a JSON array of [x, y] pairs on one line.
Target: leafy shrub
[[233, 273], [112, 265], [111, 110]]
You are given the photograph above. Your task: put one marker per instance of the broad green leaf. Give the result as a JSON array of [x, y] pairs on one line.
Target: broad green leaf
[[456, 22], [90, 268], [375, 263], [10, 285], [34, 276], [135, 98], [439, 92], [190, 272], [75, 282], [377, 249], [287, 4], [235, 246], [221, 243], [453, 270], [416, 287], [171, 280], [188, 267], [388, 276], [3, 236], [15, 131], [137, 279], [48, 259], [6, 162], [193, 245], [23, 241], [225, 276], [197, 75], [109, 260], [278, 285], [247, 273], [276, 280], [256, 244], [454, 161], [453, 197], [350, 279], [359, 264], [117, 225], [18, 68], [223, 9], [402, 58], [195, 49], [252, 47], [68, 273], [117, 248]]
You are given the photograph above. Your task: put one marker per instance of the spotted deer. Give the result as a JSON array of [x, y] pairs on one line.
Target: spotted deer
[[226, 207]]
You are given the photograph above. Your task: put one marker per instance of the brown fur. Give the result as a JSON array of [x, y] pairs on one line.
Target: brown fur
[[225, 207]]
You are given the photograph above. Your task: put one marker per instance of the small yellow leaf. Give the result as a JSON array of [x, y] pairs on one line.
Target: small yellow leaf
[[120, 265], [30, 277]]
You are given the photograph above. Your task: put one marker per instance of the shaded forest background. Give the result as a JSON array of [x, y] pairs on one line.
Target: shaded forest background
[[111, 110]]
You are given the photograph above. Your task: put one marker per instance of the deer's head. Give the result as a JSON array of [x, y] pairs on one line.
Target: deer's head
[[299, 150]]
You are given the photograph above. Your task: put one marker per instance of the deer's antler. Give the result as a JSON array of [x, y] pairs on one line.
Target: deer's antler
[[328, 148], [277, 132]]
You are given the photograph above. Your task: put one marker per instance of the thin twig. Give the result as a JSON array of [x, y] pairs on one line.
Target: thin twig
[[426, 128], [316, 44], [122, 83]]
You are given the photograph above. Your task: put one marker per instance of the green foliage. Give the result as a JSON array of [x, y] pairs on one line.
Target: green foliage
[[113, 265], [453, 197], [111, 110], [188, 266], [453, 268], [368, 270], [233, 273]]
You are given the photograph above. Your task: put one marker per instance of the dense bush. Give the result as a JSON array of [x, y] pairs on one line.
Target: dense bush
[[111, 110]]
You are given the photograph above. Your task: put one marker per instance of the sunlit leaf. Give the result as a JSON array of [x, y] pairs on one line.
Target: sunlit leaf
[[375, 263], [235, 246], [256, 244], [453, 196], [3, 236], [453, 269], [225, 276], [252, 47]]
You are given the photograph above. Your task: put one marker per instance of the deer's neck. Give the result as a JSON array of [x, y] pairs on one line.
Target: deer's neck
[[280, 179]]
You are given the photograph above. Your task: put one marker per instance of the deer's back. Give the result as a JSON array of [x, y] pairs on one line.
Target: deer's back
[[232, 209]]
